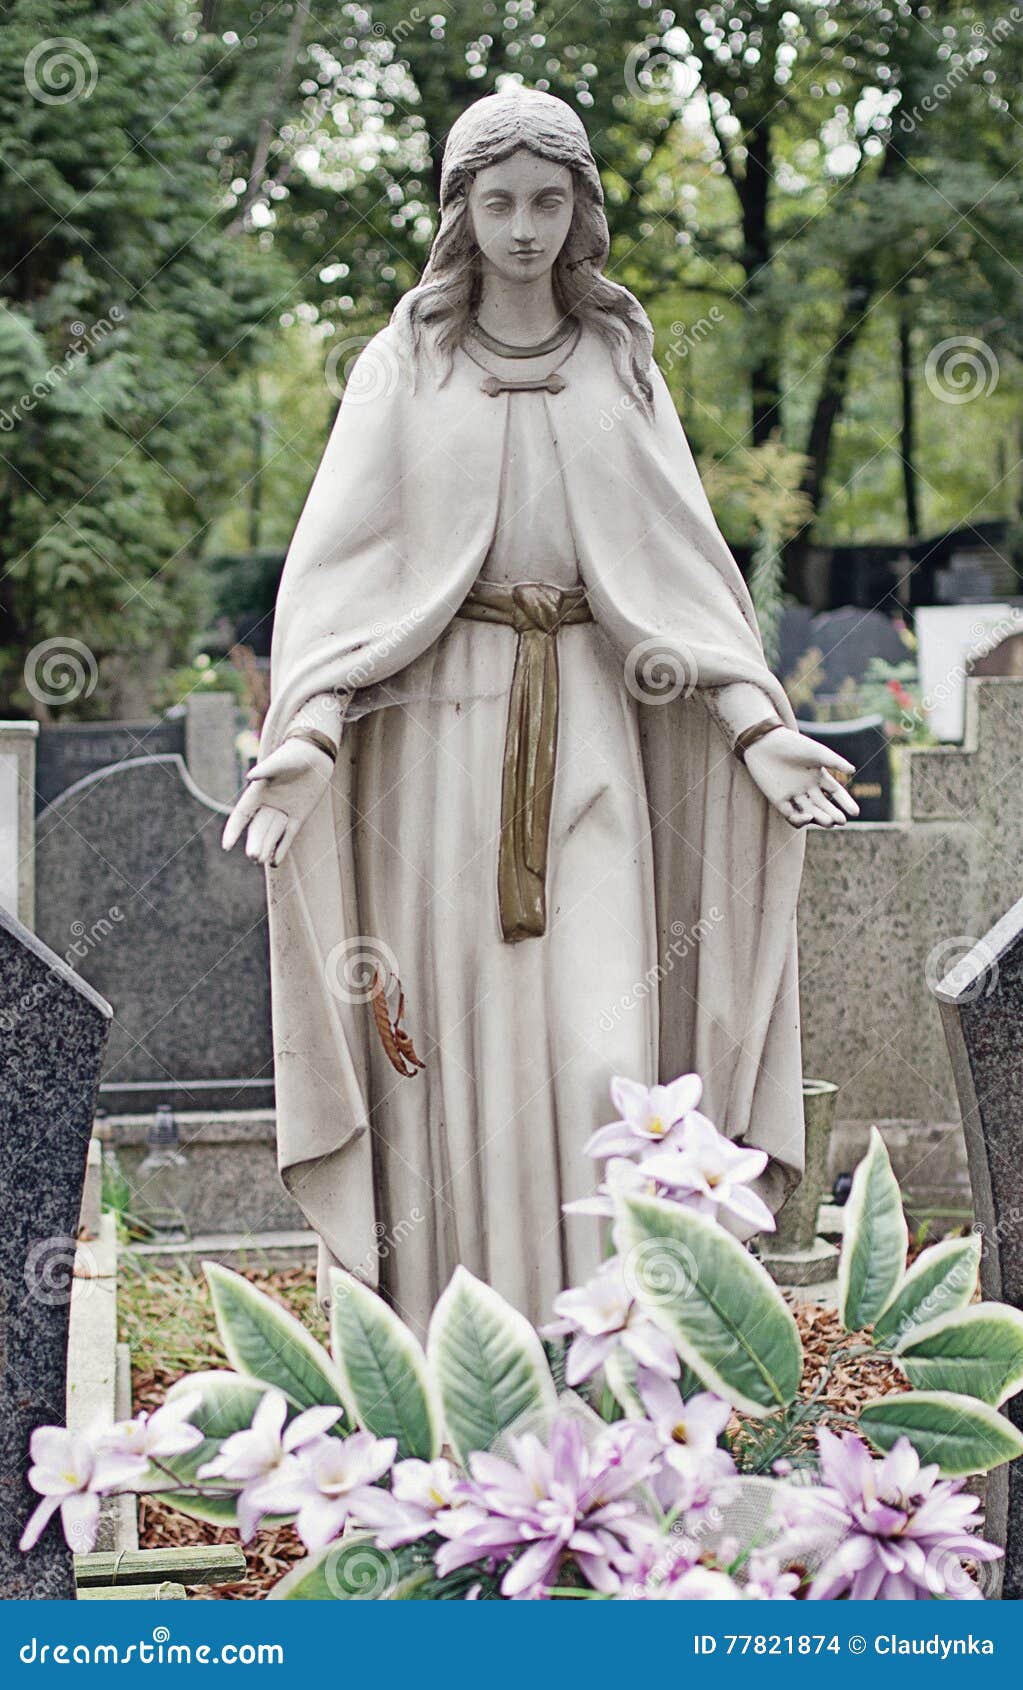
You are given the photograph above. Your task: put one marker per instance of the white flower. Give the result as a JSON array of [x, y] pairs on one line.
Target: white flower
[[69, 1474], [696, 1474], [328, 1481], [603, 1314], [419, 1490], [159, 1435], [710, 1174], [254, 1457], [651, 1115]]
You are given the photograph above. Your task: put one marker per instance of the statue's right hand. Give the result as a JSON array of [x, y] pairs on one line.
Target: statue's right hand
[[280, 792]]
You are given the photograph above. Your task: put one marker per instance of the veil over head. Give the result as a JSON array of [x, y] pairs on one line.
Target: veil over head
[[498, 125]]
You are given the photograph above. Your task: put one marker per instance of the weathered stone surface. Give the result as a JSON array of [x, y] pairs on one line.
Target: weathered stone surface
[[17, 818], [982, 1012], [134, 889], [228, 1179], [69, 752], [794, 1255], [53, 1028]]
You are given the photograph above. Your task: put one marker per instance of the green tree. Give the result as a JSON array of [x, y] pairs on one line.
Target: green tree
[[125, 308]]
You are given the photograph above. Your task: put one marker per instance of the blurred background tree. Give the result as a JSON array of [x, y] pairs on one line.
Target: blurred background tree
[[810, 198]]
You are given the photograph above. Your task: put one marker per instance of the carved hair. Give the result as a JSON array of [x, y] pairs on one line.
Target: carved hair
[[434, 316]]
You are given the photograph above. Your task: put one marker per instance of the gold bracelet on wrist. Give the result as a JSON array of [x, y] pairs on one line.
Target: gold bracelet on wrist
[[313, 736], [751, 735]]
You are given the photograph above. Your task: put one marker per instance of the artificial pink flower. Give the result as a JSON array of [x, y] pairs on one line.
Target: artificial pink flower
[[573, 1495], [327, 1482], [407, 1512], [254, 1457], [905, 1532], [159, 1435], [603, 1314], [651, 1115], [695, 1475], [70, 1474], [711, 1175]]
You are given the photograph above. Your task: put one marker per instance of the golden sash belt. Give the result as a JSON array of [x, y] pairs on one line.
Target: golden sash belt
[[535, 612]]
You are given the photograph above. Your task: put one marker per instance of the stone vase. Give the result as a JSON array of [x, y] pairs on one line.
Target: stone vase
[[794, 1254]]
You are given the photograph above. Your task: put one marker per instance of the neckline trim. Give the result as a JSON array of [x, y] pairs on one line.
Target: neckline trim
[[505, 349]]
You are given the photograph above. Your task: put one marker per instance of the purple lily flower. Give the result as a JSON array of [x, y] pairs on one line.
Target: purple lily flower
[[571, 1497], [601, 1315], [905, 1532]]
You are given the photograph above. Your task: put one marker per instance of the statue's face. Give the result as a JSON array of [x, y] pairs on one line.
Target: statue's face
[[521, 210]]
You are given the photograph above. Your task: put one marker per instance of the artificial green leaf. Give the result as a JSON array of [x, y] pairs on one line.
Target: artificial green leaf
[[977, 1351], [356, 1569], [488, 1364], [384, 1376], [959, 1433], [265, 1341], [874, 1242], [941, 1279], [227, 1404], [719, 1306]]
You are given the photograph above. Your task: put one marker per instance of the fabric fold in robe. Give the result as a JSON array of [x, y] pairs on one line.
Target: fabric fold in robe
[[398, 528]]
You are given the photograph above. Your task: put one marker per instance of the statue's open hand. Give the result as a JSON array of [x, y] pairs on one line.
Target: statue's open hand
[[794, 773], [280, 792]]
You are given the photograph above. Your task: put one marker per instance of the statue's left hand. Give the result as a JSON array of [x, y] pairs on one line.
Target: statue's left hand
[[280, 793], [794, 772]]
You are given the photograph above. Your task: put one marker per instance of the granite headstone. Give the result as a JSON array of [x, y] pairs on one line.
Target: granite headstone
[[848, 640], [981, 1001], [53, 1028], [134, 890], [67, 753]]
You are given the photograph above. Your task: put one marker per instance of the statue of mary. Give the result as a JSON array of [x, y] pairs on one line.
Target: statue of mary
[[529, 798]]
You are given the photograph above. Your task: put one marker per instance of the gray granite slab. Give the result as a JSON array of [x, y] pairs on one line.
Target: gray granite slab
[[981, 1003], [53, 1028], [134, 889]]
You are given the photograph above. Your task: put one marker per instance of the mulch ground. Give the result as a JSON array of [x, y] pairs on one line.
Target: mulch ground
[[168, 1321]]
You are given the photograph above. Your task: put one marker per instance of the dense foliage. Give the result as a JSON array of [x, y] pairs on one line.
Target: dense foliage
[[206, 208]]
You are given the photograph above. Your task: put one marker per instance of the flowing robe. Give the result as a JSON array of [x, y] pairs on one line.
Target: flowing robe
[[700, 974]]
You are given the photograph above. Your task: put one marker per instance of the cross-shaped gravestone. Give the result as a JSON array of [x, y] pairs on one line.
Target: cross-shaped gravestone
[[53, 1028], [982, 1011]]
